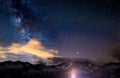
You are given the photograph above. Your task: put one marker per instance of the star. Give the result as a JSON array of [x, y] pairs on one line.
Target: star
[[77, 53]]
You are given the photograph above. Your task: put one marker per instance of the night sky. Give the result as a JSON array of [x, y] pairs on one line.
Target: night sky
[[76, 28]]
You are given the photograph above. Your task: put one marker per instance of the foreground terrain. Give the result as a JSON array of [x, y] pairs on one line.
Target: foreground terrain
[[85, 69]]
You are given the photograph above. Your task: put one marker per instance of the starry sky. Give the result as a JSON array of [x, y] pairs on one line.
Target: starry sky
[[76, 28]]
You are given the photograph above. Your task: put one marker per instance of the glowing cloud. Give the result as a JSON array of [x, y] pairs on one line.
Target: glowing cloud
[[31, 51]]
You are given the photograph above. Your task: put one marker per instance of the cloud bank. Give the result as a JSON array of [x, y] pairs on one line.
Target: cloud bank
[[32, 52]]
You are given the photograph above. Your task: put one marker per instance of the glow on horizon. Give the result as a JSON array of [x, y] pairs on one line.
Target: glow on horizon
[[73, 73]]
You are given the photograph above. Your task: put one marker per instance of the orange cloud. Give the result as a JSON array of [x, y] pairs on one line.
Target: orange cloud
[[33, 47]]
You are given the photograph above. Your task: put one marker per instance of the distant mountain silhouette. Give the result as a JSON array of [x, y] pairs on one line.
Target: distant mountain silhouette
[[18, 69]]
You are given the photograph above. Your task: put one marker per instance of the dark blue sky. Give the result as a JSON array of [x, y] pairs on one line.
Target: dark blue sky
[[85, 26], [89, 27]]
